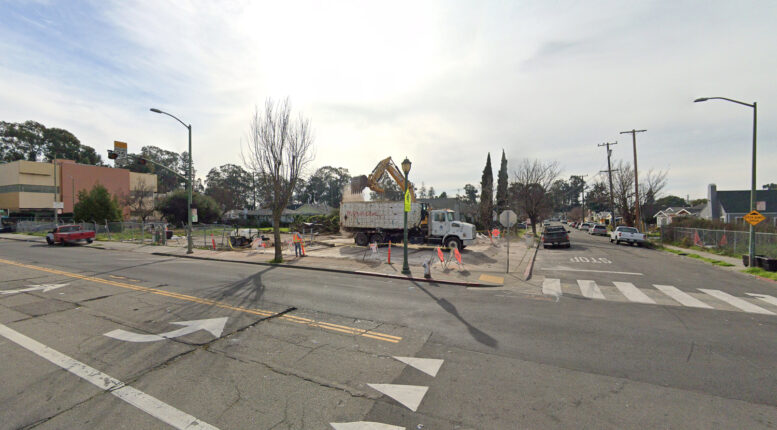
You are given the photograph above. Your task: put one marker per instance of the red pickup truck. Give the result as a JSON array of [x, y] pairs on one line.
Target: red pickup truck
[[65, 234]]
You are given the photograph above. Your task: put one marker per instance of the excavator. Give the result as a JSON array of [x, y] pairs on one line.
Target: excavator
[[387, 165]]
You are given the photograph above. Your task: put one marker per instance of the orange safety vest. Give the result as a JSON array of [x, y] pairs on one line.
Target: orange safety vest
[[296, 238]]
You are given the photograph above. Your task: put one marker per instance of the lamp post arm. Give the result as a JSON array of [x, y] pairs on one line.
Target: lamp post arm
[[175, 118], [732, 101], [166, 168]]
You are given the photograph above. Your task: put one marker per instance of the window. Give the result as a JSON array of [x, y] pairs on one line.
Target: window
[[450, 216], [439, 216]]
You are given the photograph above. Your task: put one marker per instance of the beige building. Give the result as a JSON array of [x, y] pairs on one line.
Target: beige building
[[32, 187]]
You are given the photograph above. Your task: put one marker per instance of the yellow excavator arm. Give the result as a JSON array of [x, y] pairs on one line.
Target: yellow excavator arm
[[387, 165]]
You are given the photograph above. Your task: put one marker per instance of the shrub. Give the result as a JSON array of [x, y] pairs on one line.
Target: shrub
[[173, 207], [97, 205]]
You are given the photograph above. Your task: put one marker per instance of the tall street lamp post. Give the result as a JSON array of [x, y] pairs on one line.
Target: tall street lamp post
[[406, 169], [188, 182], [752, 184]]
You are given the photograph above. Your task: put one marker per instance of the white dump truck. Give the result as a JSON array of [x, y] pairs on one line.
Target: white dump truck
[[384, 221]]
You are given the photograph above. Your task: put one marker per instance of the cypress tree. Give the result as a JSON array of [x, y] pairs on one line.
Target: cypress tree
[[487, 194], [501, 185]]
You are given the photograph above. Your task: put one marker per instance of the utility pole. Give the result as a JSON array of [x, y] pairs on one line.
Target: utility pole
[[581, 178], [636, 174], [609, 173]]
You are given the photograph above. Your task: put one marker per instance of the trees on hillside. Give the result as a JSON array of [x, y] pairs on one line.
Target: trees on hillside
[[279, 149], [97, 204], [32, 141], [487, 194]]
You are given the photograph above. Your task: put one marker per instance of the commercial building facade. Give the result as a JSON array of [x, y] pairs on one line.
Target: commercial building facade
[[31, 188]]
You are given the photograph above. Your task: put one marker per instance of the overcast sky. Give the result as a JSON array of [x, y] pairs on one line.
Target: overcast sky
[[442, 83]]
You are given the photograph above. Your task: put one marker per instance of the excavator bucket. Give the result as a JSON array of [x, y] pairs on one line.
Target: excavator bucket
[[359, 183]]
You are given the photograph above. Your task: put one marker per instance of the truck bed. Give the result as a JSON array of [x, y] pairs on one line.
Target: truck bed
[[378, 215]]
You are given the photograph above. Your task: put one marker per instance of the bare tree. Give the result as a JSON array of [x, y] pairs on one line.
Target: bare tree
[[279, 149], [651, 185], [529, 192], [140, 200]]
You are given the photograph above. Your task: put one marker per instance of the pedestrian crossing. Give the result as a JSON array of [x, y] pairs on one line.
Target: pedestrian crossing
[[701, 298]]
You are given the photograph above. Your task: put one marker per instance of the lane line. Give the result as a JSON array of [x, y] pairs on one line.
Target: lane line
[[568, 269], [683, 298], [291, 318], [768, 299], [590, 289], [146, 403], [736, 302], [633, 293], [551, 287]]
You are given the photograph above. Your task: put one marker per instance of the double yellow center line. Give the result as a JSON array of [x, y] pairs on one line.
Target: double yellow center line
[[291, 318]]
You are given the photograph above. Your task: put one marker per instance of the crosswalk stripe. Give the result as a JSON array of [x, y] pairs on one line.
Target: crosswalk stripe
[[683, 298], [633, 293], [736, 302], [590, 289], [768, 299], [551, 287]]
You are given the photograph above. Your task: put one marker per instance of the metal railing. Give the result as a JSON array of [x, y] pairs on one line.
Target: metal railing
[[730, 242]]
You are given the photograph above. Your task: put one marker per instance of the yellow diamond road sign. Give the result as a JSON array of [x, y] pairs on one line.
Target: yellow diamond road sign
[[754, 217]]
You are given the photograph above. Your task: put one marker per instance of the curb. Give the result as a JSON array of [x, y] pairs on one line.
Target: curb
[[530, 266], [324, 269], [18, 239]]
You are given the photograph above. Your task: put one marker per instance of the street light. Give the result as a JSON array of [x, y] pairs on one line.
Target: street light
[[752, 184], [406, 169], [188, 182]]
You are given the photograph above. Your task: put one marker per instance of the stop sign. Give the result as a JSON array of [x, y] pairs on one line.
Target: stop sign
[[508, 218]]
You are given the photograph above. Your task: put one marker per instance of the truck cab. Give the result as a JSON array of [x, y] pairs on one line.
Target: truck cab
[[450, 232]]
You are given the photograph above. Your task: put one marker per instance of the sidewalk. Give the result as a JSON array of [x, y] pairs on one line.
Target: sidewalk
[[482, 270], [736, 263]]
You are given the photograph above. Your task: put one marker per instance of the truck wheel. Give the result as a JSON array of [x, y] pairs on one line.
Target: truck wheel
[[361, 238], [89, 240], [49, 240], [452, 242], [376, 238]]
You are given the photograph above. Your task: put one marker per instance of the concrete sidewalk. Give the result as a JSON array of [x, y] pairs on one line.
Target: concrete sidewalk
[[477, 270]]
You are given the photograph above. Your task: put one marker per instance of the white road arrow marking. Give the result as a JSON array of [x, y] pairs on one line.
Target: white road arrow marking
[[409, 395], [214, 325], [364, 425], [42, 288], [430, 366]]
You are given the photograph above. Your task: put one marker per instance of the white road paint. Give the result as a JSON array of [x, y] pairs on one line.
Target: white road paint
[[590, 289], [551, 287], [430, 366], [364, 425], [684, 299], [148, 404], [768, 299], [569, 269], [408, 395], [737, 302], [633, 293], [43, 288], [214, 325]]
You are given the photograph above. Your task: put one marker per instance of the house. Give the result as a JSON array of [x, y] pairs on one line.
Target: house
[[664, 216], [732, 206]]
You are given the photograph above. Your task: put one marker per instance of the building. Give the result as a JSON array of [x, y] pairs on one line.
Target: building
[[31, 188], [732, 206], [664, 216]]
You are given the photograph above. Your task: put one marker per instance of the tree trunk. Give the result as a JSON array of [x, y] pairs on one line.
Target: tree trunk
[[533, 225], [276, 227]]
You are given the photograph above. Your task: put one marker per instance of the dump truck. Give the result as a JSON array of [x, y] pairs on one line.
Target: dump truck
[[381, 222]]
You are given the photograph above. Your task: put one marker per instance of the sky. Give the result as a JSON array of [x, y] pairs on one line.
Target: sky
[[442, 83]]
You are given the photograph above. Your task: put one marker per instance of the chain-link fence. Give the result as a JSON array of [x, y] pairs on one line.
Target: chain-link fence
[[729, 242]]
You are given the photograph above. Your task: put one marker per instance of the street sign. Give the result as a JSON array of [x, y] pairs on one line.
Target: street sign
[[754, 218], [760, 206], [59, 205], [194, 214], [120, 148], [508, 218], [407, 201]]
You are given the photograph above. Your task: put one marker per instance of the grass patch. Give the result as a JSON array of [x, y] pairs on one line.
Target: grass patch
[[266, 229], [698, 257], [761, 272]]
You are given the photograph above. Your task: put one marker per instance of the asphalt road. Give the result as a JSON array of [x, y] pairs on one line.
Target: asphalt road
[[303, 349]]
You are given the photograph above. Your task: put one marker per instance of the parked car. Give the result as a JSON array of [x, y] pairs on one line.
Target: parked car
[[572, 224], [555, 236], [598, 230], [584, 226], [520, 226], [546, 222], [628, 235], [71, 233]]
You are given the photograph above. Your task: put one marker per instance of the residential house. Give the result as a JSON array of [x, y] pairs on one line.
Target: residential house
[[732, 206], [664, 216]]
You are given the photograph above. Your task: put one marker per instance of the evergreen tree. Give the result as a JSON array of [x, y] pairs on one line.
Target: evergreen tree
[[97, 205], [487, 194], [501, 185]]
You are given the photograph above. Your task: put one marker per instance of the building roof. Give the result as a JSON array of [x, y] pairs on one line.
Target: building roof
[[673, 210], [739, 201]]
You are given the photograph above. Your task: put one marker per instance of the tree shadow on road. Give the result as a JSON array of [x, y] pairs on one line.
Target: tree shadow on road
[[449, 307], [244, 292]]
